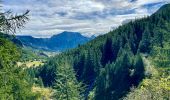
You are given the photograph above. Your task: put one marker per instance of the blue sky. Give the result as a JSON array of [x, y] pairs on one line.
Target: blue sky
[[89, 17]]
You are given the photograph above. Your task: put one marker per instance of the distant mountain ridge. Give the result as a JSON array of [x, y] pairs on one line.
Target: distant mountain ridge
[[60, 42]]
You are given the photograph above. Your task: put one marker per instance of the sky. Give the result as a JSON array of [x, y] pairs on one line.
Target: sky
[[89, 17]]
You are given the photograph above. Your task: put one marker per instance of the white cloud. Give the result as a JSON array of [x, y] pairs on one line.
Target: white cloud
[[48, 17]]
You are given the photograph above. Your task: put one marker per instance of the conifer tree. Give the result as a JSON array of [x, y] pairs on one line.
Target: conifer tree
[[107, 52], [66, 85], [10, 22], [100, 93], [79, 66], [145, 43], [122, 75], [138, 70], [88, 74]]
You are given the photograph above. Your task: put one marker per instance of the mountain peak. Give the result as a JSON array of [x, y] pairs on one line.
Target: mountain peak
[[59, 42], [68, 35], [71, 33]]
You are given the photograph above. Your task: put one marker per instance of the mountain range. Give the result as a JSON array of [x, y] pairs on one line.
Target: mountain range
[[60, 42]]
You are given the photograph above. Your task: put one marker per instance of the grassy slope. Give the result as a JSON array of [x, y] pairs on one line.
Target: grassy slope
[[46, 93], [31, 63]]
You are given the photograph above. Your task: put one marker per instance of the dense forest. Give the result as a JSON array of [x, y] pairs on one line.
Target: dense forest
[[110, 65], [113, 66]]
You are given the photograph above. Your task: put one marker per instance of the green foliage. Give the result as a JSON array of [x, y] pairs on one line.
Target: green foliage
[[13, 84], [154, 88], [157, 85], [111, 81], [66, 85], [88, 69], [144, 45], [138, 70], [8, 53], [29, 54], [107, 52], [47, 72], [158, 37], [161, 56], [13, 80]]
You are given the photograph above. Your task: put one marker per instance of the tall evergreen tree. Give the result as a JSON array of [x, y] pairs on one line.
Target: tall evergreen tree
[[79, 66], [88, 74], [122, 75], [138, 70], [104, 81], [100, 93], [66, 85], [107, 52], [145, 43]]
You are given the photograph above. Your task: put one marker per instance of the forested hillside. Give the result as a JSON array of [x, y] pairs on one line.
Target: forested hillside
[[130, 63], [14, 80], [109, 65]]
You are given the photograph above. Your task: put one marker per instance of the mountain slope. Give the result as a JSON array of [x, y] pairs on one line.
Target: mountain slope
[[60, 42], [111, 64], [156, 85], [11, 38], [17, 85]]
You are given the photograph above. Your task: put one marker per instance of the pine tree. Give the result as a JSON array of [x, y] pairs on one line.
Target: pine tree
[[97, 64], [138, 70], [79, 66], [10, 22], [66, 85], [145, 43], [88, 74], [100, 93], [104, 82], [121, 79], [107, 52]]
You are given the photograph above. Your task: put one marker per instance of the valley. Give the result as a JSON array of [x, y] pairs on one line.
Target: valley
[[131, 62]]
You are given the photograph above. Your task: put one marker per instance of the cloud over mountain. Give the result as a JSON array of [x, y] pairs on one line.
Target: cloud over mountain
[[48, 17]]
